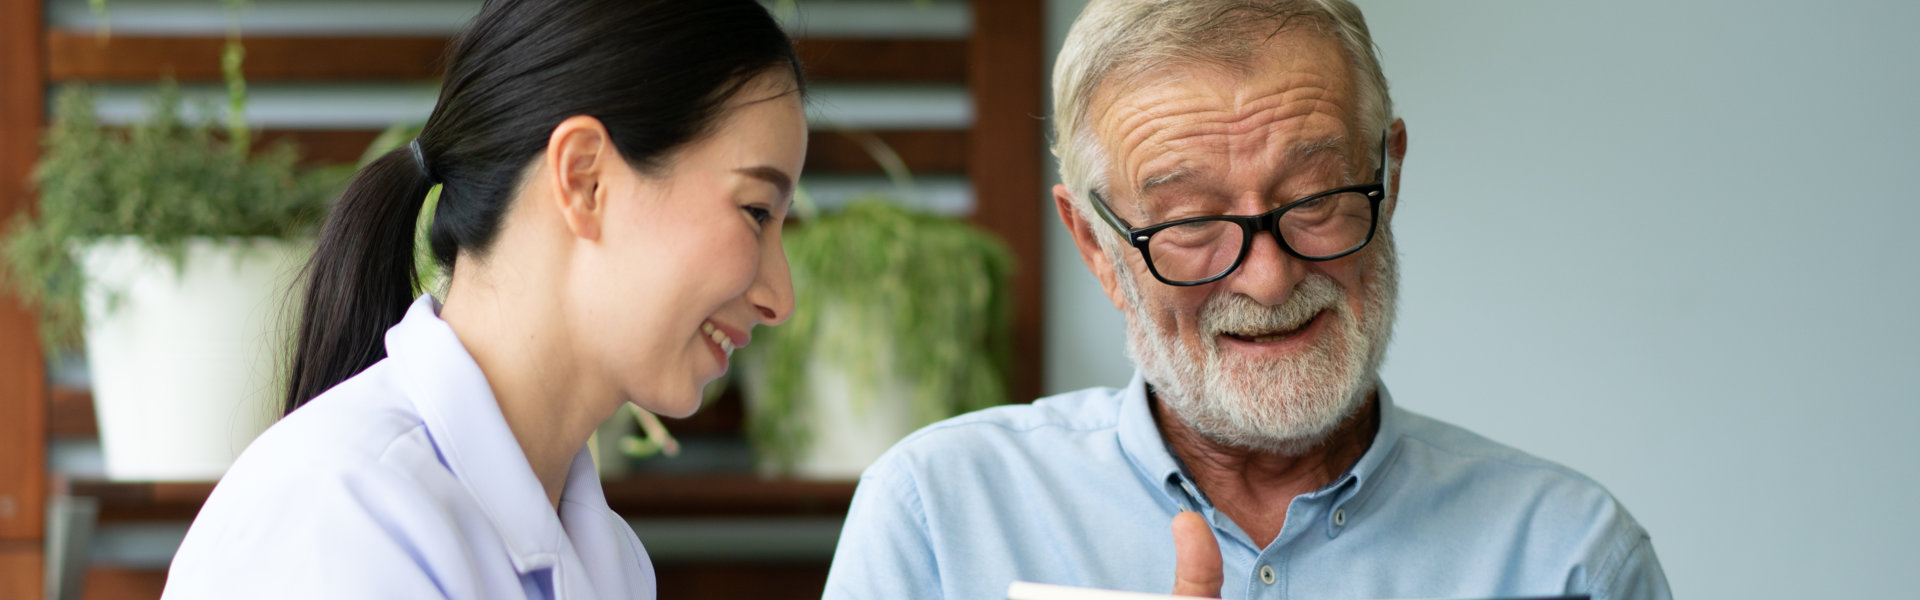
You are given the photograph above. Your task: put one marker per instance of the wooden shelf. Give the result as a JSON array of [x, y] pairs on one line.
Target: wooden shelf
[[70, 415], [75, 55], [732, 495], [830, 151]]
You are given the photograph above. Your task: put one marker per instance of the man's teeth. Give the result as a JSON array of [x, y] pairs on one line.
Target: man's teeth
[[718, 336], [1268, 337]]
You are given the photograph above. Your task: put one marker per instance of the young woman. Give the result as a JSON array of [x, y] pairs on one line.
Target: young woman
[[614, 175]]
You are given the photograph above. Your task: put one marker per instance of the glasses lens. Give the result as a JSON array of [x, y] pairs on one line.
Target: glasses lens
[[1328, 225], [1195, 251]]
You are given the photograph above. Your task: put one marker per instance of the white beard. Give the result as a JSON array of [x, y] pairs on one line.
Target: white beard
[[1286, 407]]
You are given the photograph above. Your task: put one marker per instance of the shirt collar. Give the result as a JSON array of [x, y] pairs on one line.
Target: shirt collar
[[1143, 444], [1140, 439], [465, 425]]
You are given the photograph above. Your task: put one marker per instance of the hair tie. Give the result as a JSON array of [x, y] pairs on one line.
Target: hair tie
[[420, 160]]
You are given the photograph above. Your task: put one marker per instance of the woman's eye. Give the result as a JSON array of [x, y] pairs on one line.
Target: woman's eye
[[760, 216]]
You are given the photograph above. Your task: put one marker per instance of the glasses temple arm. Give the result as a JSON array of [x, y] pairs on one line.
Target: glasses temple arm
[[1106, 214]]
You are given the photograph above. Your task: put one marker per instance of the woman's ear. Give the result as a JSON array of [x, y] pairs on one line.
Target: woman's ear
[[579, 159]]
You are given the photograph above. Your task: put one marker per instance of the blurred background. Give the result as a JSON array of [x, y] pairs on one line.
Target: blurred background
[[1655, 242], [1668, 244]]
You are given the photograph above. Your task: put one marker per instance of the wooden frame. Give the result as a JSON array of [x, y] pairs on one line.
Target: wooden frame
[[1000, 64], [23, 406]]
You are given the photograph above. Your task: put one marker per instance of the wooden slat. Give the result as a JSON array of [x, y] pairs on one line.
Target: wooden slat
[[904, 60], [727, 495], [75, 55], [929, 151], [1005, 164], [70, 412], [23, 391], [83, 56], [122, 583], [143, 501], [649, 496], [785, 580], [925, 152], [22, 570]]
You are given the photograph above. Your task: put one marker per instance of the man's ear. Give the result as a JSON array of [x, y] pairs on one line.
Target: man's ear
[[1396, 156], [579, 157], [1081, 228]]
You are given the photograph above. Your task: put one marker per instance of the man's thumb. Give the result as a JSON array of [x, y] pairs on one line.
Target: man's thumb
[[1196, 555]]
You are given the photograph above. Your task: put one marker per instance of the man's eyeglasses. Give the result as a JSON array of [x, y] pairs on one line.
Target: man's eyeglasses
[[1201, 250]]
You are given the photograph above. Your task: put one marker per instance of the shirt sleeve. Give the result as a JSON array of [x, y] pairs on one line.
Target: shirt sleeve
[[886, 549], [1639, 576], [353, 534]]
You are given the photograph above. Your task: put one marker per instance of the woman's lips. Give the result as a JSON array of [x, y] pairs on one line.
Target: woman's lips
[[722, 340]]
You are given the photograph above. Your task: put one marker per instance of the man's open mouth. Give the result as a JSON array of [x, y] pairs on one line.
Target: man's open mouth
[[1271, 335]]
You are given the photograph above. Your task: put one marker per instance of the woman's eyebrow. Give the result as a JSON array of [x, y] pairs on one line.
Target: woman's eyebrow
[[778, 178]]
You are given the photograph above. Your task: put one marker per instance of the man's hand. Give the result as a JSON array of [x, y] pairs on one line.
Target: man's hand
[[1196, 557]]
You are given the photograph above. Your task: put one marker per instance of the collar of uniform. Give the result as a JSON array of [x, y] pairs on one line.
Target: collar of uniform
[[472, 437]]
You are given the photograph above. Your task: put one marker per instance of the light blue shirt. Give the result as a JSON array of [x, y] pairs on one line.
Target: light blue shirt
[[1080, 489], [404, 482]]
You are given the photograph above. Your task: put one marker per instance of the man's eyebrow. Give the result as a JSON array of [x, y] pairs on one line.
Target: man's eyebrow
[[777, 177], [1303, 151], [1300, 152], [1162, 178]]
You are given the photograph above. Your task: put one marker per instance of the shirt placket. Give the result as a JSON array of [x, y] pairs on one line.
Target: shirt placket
[[1267, 575]]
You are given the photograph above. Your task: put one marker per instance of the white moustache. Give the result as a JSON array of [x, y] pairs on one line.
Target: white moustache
[[1240, 315]]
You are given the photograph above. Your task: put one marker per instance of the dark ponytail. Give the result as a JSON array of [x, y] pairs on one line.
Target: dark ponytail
[[361, 274], [656, 73]]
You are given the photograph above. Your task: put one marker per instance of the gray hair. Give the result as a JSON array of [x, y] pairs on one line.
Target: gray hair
[[1116, 38]]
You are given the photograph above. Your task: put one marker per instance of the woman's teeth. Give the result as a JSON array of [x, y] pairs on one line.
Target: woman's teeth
[[718, 336]]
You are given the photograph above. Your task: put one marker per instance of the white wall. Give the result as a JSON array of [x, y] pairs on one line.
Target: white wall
[[1669, 244]]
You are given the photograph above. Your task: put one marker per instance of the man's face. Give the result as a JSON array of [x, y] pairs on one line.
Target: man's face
[[1275, 355]]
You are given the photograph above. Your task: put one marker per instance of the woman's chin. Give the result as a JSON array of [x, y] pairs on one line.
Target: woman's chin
[[677, 404]]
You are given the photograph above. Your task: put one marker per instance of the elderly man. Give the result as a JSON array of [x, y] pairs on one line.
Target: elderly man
[[1230, 179]]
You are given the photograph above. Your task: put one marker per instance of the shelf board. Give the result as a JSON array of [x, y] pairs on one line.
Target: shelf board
[[722, 495], [76, 55], [70, 415], [829, 151]]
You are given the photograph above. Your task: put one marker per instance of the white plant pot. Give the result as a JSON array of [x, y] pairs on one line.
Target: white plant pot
[[847, 438], [844, 437], [185, 363]]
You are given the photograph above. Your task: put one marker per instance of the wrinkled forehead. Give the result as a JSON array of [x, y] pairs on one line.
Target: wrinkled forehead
[[1294, 99]]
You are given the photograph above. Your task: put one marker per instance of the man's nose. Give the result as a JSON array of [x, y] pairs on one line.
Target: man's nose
[[1269, 274]]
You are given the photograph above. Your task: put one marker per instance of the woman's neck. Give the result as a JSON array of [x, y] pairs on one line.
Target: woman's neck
[[508, 321]]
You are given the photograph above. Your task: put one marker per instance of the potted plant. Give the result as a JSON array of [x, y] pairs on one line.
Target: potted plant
[[169, 249], [901, 319]]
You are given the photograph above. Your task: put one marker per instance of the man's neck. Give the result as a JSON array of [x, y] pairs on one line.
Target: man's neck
[[1254, 487]]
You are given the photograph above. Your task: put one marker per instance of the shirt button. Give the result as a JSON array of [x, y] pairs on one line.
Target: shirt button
[[1339, 517], [1266, 574]]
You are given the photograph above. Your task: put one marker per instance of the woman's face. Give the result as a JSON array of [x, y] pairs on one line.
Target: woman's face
[[693, 260]]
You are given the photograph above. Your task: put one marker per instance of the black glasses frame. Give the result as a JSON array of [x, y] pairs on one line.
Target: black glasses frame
[[1251, 225]]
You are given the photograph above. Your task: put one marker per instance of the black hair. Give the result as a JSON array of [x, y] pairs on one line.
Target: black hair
[[656, 73]]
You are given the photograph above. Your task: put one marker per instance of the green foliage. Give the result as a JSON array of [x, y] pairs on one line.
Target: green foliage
[[918, 297], [163, 180]]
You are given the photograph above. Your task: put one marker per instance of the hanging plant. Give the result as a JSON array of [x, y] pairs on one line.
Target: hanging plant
[[914, 298]]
